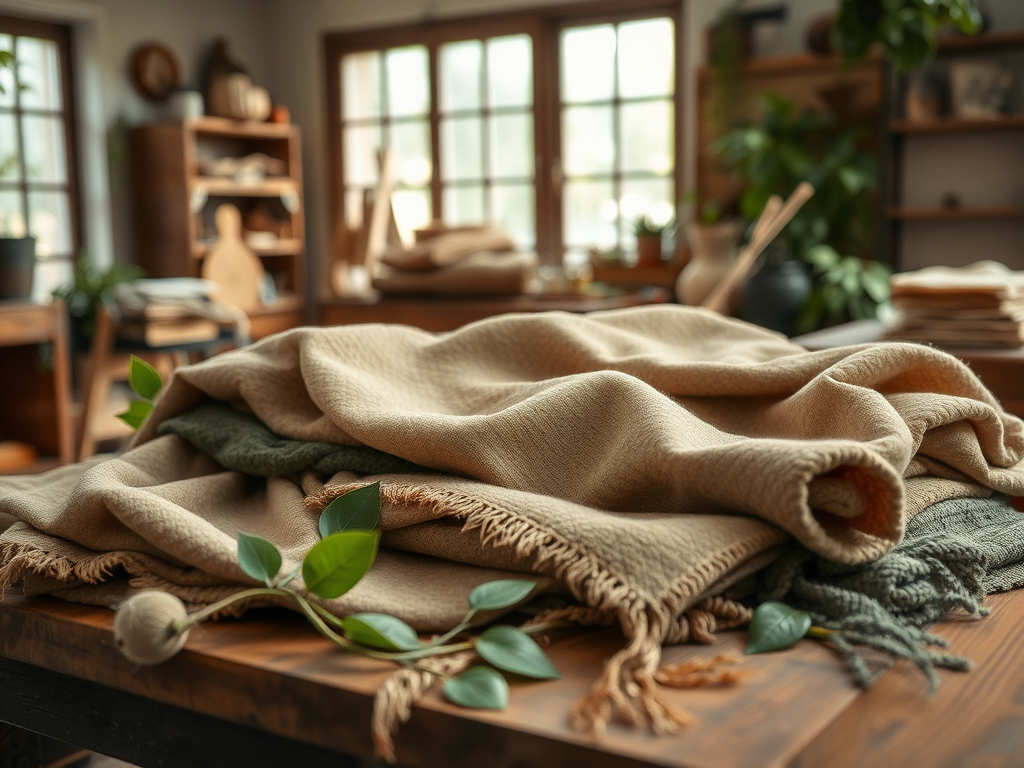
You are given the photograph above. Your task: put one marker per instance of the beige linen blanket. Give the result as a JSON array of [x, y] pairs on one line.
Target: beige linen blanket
[[640, 460]]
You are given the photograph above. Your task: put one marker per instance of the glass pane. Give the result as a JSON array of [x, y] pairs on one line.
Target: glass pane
[[644, 197], [588, 143], [39, 73], [411, 142], [461, 150], [412, 211], [360, 77], [408, 83], [44, 149], [12, 220], [464, 205], [647, 131], [361, 147], [588, 63], [10, 167], [511, 146], [49, 275], [460, 75], [590, 212], [49, 220], [510, 71], [513, 210], [6, 74], [646, 58]]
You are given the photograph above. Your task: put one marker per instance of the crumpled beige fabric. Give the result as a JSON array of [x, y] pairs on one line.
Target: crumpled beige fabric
[[640, 459]]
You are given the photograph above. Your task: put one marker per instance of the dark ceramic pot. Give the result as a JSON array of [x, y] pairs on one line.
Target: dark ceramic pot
[[17, 263], [775, 294]]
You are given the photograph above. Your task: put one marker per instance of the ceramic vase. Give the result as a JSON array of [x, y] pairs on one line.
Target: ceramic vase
[[711, 249], [17, 264], [648, 250], [775, 295]]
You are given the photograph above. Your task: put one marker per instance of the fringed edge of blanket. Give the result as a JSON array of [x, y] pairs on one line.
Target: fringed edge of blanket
[[627, 688], [19, 559]]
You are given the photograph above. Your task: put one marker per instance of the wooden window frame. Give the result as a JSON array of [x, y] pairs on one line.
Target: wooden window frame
[[544, 25], [60, 35]]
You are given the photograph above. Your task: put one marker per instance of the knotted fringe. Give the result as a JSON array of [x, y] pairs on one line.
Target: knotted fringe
[[885, 604], [19, 559], [627, 687], [698, 673]]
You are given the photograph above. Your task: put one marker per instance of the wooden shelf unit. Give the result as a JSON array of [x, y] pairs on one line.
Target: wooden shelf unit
[[175, 204], [895, 212]]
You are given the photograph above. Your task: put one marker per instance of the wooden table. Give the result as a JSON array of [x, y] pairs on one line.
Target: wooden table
[[446, 313], [1000, 369], [268, 691]]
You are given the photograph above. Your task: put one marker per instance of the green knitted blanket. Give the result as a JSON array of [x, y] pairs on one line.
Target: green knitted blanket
[[953, 554], [244, 443]]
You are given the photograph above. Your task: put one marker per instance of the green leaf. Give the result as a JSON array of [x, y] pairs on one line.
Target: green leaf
[[334, 565], [137, 412], [258, 557], [513, 650], [478, 687], [143, 378], [356, 510], [500, 594], [775, 626], [378, 630]]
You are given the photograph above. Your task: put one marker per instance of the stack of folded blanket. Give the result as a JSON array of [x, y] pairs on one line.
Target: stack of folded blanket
[[642, 462], [457, 262], [978, 305]]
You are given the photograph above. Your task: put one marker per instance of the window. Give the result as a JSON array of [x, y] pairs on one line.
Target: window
[[37, 182], [559, 126]]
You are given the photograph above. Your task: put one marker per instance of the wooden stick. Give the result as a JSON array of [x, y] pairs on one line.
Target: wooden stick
[[768, 214], [764, 233]]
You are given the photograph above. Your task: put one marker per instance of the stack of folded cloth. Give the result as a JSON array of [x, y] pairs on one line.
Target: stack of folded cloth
[[461, 261], [978, 305], [173, 310]]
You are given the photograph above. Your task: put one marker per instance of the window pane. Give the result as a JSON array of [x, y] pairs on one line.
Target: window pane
[[6, 74], [360, 77], [49, 275], [461, 150], [460, 75], [646, 59], [588, 63], [408, 86], [588, 144], [39, 72], [513, 211], [411, 143], [647, 131], [12, 220], [361, 147], [10, 167], [412, 211], [49, 219], [44, 149], [464, 205], [644, 197], [511, 146], [510, 71], [590, 212]]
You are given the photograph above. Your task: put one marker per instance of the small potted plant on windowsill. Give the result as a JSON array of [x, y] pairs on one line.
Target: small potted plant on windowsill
[[17, 252], [648, 241]]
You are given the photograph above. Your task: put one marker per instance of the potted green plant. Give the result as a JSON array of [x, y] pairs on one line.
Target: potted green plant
[[89, 289], [789, 146], [648, 241], [905, 28], [17, 252]]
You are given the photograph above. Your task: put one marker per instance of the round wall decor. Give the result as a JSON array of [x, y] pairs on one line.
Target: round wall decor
[[155, 72]]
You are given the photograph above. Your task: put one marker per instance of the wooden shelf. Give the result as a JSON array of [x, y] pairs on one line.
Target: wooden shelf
[[958, 125], [241, 129], [215, 187], [932, 214], [988, 42], [284, 303], [286, 246]]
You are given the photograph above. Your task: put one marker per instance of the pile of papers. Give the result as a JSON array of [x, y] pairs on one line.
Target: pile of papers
[[169, 311], [978, 305]]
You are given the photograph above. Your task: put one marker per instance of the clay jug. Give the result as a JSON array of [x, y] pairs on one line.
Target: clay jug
[[711, 246]]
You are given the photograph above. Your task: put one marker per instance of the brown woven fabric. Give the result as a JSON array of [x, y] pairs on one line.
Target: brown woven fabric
[[642, 460], [448, 248], [481, 274]]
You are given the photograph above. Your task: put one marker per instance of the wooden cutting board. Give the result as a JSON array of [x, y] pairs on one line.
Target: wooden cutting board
[[232, 264]]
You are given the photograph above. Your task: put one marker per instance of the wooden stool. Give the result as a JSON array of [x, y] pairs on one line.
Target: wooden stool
[[109, 359]]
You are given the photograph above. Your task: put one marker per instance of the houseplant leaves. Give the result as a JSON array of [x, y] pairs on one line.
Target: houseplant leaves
[[478, 687], [357, 510], [258, 557], [775, 626], [512, 650], [334, 565], [504, 593], [378, 630]]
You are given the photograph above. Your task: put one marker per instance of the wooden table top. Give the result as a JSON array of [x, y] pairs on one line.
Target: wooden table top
[[271, 672]]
